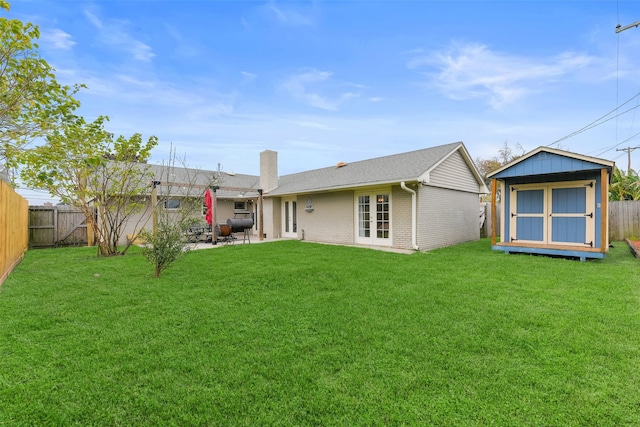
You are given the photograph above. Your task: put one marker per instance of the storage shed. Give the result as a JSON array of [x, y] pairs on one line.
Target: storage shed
[[552, 202]]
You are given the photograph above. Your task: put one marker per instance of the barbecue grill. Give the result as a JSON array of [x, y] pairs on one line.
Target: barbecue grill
[[241, 225], [224, 232]]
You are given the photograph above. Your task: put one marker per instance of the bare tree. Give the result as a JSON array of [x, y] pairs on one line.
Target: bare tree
[[505, 155], [180, 194]]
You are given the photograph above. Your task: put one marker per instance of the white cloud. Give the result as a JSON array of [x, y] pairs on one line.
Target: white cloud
[[58, 39], [184, 46], [139, 50], [288, 16], [115, 34], [474, 71], [247, 77], [299, 86], [318, 89], [94, 20]]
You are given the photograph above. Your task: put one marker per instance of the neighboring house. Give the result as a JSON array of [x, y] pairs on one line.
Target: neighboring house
[[419, 200], [179, 188], [553, 202]]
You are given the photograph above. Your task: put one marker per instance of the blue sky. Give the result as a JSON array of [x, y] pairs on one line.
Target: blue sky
[[343, 80]]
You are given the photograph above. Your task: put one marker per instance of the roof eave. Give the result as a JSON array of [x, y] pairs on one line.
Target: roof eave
[[342, 187]]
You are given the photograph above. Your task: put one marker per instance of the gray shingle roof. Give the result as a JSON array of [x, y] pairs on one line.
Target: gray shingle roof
[[381, 170], [180, 175], [394, 168]]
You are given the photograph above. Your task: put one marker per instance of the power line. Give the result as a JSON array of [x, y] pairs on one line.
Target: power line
[[628, 150], [620, 29], [599, 121], [619, 143], [617, 62]]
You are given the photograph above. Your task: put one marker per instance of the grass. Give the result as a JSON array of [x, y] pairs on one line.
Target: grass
[[298, 334]]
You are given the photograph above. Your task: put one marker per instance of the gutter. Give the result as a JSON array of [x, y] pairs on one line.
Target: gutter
[[414, 224], [277, 192]]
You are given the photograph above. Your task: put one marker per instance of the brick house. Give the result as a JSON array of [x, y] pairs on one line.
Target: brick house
[[419, 200]]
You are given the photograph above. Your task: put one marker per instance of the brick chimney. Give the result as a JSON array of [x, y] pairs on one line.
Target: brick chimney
[[268, 170]]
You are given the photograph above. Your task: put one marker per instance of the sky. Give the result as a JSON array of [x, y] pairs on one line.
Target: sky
[[327, 81]]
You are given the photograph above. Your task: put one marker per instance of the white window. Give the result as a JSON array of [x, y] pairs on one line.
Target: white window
[[240, 207], [172, 204]]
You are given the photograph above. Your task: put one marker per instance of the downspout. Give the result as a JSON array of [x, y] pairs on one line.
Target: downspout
[[414, 231]]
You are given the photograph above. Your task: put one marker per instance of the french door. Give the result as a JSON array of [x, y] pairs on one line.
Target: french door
[[559, 213], [289, 218], [373, 218]]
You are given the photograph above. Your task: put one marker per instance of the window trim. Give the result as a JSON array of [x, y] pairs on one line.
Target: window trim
[[169, 208]]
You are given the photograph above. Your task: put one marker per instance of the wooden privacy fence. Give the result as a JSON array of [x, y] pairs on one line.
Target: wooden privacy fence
[[14, 237], [56, 226], [485, 219], [624, 220]]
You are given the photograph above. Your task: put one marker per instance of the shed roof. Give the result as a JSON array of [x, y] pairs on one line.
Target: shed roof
[[377, 171], [546, 160]]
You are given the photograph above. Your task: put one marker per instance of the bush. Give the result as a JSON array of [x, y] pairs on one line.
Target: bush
[[165, 246]]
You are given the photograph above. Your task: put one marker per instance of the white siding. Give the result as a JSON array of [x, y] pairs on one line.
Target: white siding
[[446, 217], [268, 219], [136, 222], [224, 211], [332, 219], [142, 220], [454, 173], [272, 217], [401, 214]]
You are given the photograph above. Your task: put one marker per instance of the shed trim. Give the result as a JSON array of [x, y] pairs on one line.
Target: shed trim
[[558, 152]]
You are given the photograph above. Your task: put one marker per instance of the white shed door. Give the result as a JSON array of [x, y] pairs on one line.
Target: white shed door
[[560, 213]]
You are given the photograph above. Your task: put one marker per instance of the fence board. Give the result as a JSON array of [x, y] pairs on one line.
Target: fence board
[[624, 219], [485, 229], [14, 238], [56, 226], [41, 226]]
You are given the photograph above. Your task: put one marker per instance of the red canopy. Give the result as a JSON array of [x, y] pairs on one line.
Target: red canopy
[[208, 201]]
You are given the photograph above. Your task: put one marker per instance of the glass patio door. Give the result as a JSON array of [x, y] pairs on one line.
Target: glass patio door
[[373, 218], [289, 218]]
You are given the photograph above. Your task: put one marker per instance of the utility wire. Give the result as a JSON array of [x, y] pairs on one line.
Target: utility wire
[[599, 121], [617, 62], [617, 145]]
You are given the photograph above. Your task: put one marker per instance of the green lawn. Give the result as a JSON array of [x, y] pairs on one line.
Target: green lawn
[[298, 334]]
